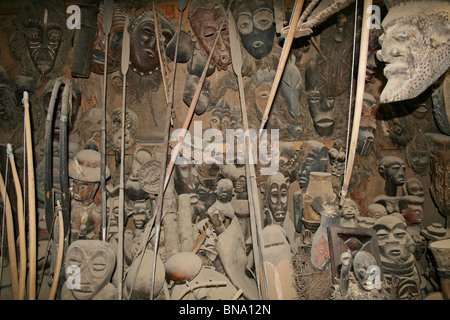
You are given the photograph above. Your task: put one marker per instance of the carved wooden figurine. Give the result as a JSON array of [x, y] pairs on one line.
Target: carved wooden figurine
[[85, 218]]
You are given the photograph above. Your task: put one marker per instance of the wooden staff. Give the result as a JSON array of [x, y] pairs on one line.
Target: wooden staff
[[159, 203], [11, 240], [124, 70], [282, 63], [21, 223], [59, 256], [360, 87], [108, 13], [255, 210], [31, 200]]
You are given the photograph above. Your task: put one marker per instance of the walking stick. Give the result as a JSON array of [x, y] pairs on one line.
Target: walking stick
[[108, 13], [21, 223], [255, 210], [59, 256], [124, 70], [360, 86], [31, 199], [11, 240], [283, 58]]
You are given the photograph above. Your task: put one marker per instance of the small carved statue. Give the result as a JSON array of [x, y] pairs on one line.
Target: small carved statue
[[89, 268], [141, 213], [224, 194], [85, 218], [411, 207], [393, 171]]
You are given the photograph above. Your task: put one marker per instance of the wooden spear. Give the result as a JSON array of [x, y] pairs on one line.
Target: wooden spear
[[21, 225], [108, 13], [360, 87], [283, 58], [124, 70], [11, 240], [31, 200], [255, 210]]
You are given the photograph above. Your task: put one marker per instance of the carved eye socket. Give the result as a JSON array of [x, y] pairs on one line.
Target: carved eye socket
[[245, 23], [33, 35], [263, 19]]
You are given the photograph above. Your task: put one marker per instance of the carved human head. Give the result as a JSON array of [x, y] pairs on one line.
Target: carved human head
[[276, 191], [93, 263], [411, 207], [142, 213], [415, 47], [393, 170], [114, 41], [144, 55], [313, 158], [392, 237], [206, 17], [256, 27], [131, 122], [84, 169]]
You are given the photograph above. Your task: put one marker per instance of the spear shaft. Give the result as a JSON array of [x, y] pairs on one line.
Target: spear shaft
[[108, 13]]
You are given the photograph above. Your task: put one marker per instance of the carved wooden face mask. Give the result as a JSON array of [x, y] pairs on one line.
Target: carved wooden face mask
[[92, 263], [276, 196], [314, 159], [144, 56], [130, 128], [114, 42], [255, 23], [43, 37], [320, 109], [415, 47], [205, 18]]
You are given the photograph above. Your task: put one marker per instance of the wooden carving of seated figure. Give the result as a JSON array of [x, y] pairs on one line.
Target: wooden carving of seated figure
[[89, 266], [393, 170]]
